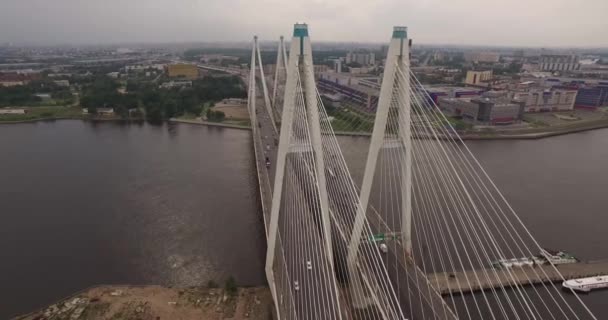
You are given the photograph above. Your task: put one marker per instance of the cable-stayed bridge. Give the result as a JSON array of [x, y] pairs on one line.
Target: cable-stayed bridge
[[425, 217]]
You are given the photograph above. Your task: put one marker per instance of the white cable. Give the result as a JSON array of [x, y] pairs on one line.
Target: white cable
[[534, 271], [467, 160], [323, 112], [342, 159]]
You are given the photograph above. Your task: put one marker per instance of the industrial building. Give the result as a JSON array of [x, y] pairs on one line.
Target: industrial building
[[434, 93], [559, 62], [362, 91], [541, 100], [592, 96], [497, 111], [483, 56], [182, 70], [491, 108], [458, 107], [592, 93], [478, 78]]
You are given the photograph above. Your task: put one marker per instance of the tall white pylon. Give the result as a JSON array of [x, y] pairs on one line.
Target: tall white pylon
[[280, 65], [256, 49], [397, 57], [251, 96], [300, 66]]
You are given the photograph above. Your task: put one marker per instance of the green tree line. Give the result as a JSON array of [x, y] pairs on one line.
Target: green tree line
[[25, 95], [160, 103]]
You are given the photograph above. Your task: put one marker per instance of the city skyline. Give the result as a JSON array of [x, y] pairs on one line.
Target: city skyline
[[470, 22]]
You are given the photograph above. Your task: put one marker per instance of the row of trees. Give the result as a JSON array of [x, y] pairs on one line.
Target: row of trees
[[161, 103]]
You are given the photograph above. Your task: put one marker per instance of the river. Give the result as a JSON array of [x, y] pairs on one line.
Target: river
[[558, 186], [87, 203], [107, 203]]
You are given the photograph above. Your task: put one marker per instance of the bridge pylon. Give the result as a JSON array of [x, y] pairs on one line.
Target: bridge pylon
[[256, 63], [394, 99], [280, 70], [300, 91]]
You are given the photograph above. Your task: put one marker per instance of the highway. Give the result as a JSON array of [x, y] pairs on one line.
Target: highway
[[299, 234]]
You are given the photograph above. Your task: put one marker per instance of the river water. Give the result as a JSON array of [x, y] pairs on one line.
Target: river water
[[558, 186], [84, 204], [95, 203]]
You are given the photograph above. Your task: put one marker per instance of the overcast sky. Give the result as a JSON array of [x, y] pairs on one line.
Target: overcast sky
[[536, 23]]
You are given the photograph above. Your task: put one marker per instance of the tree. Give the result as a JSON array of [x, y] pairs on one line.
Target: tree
[[215, 116], [230, 286]]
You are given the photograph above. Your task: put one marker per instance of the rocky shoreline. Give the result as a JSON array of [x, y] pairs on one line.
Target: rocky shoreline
[[157, 302]]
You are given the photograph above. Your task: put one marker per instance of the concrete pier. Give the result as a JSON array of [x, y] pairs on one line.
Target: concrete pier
[[456, 282]]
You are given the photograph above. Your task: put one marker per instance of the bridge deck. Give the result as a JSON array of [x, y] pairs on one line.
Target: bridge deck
[[445, 284]]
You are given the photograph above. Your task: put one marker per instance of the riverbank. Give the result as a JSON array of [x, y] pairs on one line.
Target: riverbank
[[108, 119], [518, 134], [209, 123], [156, 302], [536, 133]]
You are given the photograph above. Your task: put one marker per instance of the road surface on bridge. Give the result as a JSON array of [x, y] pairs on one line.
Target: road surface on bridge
[[315, 280]]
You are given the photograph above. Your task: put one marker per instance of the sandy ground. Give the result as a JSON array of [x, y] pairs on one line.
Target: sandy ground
[[156, 303], [232, 111]]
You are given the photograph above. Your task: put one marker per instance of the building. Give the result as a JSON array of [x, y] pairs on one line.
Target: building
[[458, 107], [362, 58], [481, 56], [176, 83], [333, 98], [235, 101], [320, 68], [542, 100], [592, 96], [433, 94], [496, 108], [354, 90], [100, 111], [12, 111], [62, 83], [478, 78], [439, 56], [338, 65], [43, 96], [360, 70], [182, 70], [491, 108], [219, 59], [16, 79], [559, 62]]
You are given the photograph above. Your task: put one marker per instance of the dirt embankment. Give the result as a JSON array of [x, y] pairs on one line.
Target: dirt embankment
[[158, 303]]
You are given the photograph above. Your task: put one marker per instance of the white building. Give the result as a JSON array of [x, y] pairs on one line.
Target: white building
[[176, 83], [12, 111], [362, 58]]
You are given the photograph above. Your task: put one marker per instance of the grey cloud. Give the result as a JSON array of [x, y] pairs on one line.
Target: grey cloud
[[514, 22]]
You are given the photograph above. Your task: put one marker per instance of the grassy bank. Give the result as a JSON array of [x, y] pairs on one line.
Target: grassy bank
[[40, 113]]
